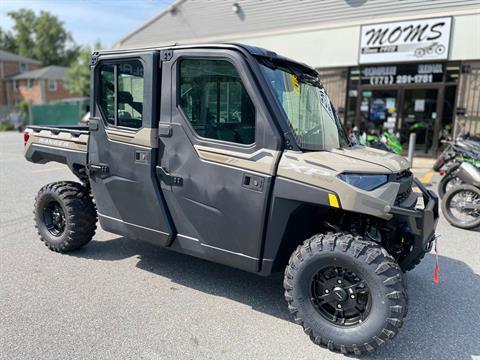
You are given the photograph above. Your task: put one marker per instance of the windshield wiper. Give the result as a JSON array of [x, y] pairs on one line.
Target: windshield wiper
[[310, 79]]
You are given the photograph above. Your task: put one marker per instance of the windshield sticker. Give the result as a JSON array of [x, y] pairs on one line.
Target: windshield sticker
[[326, 103], [296, 86]]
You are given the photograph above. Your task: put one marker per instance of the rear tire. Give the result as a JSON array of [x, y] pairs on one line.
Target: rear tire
[[363, 260], [65, 216]]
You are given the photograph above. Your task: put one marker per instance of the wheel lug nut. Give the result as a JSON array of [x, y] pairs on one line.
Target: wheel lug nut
[[339, 281], [327, 291], [352, 296], [339, 306]]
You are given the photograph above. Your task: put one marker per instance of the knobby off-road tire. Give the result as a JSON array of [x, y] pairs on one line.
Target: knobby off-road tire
[[447, 211], [415, 262], [65, 216], [374, 265]]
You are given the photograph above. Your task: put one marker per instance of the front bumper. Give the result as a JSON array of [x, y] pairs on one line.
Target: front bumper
[[421, 223]]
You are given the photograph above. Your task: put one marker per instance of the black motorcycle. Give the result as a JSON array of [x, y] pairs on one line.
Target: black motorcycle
[[461, 203], [462, 149]]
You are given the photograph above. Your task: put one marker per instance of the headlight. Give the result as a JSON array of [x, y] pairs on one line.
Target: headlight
[[364, 181]]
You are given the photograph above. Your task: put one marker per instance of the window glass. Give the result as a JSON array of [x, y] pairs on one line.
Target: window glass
[[215, 101], [130, 94], [107, 92], [308, 108], [123, 94], [52, 85]]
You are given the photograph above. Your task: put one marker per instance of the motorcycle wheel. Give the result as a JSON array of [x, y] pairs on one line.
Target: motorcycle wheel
[[461, 206], [447, 183]]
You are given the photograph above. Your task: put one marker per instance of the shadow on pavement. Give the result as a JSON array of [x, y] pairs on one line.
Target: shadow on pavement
[[442, 323]]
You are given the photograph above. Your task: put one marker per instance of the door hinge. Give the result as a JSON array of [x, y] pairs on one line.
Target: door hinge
[[167, 178], [166, 55], [94, 59], [98, 168], [164, 130]]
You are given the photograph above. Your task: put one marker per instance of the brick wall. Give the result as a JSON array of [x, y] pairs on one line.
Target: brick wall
[[59, 94], [34, 93], [9, 68]]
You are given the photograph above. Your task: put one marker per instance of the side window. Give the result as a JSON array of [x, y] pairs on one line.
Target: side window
[[121, 93], [215, 101], [107, 92]]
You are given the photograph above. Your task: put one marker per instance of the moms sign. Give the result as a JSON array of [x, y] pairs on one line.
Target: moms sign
[[416, 40]]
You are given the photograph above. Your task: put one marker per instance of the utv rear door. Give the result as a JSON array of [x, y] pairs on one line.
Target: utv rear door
[[219, 151], [123, 147]]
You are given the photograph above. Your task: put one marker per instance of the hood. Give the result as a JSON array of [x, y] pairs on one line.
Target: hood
[[392, 162], [356, 159]]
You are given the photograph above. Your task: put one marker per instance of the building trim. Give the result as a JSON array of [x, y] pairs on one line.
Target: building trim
[[300, 29]]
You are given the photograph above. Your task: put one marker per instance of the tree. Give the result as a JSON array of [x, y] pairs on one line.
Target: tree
[[77, 78], [23, 27], [53, 44], [7, 41], [41, 37]]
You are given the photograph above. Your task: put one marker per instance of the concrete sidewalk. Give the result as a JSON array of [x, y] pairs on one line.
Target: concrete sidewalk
[[422, 169]]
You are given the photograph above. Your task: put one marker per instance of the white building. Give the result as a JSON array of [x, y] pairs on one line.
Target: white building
[[403, 65]]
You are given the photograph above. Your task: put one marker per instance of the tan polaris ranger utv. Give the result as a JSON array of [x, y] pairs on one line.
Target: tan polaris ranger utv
[[235, 154]]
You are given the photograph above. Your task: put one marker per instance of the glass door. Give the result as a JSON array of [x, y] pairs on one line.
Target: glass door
[[418, 115], [378, 111]]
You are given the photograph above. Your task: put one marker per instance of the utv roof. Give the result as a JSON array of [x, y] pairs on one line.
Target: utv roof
[[253, 50]]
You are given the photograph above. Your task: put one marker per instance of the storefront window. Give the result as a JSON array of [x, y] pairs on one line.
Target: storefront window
[[404, 98]]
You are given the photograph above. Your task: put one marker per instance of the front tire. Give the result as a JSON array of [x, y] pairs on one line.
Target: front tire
[[65, 216], [447, 183], [461, 206], [347, 293]]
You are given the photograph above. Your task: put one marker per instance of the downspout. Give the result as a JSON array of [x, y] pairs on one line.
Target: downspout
[[42, 91]]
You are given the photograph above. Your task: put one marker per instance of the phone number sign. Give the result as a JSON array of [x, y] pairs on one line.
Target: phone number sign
[[402, 74]]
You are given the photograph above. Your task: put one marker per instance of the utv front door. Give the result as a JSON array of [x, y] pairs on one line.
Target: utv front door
[[123, 148], [218, 156]]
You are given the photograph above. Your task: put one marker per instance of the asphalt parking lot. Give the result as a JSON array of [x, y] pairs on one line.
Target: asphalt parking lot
[[120, 299]]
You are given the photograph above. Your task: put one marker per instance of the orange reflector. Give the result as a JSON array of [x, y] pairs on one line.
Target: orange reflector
[[333, 201]]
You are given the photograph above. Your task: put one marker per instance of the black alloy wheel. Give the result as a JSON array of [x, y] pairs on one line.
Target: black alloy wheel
[[340, 296], [54, 218]]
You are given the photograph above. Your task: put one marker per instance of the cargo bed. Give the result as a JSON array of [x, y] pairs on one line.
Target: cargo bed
[[66, 145]]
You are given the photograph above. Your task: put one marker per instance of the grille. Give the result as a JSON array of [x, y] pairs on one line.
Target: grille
[[405, 178], [401, 197]]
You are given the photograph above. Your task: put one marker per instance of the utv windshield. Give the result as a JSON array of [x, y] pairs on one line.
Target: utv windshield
[[309, 110]]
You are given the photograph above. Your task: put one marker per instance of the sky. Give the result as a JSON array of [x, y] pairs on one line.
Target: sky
[[91, 20]]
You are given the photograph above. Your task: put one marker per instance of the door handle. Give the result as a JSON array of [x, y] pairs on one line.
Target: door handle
[[253, 182], [167, 178]]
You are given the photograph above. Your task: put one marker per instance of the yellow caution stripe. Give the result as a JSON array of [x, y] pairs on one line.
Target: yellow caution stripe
[[427, 177], [333, 200]]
